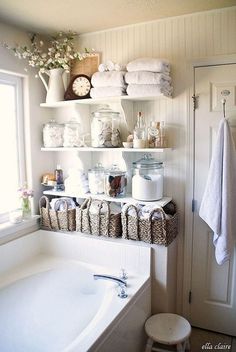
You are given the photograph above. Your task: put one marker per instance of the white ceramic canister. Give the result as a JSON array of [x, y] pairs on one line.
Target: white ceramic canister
[[96, 179], [147, 180]]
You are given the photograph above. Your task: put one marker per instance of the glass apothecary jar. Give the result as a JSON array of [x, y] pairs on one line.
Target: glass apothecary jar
[[147, 180], [96, 179], [105, 128], [72, 134], [115, 182], [53, 134]]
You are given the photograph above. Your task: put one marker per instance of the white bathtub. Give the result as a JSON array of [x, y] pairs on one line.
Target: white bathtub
[[49, 301]]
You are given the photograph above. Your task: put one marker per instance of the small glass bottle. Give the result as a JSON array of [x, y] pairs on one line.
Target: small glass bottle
[[153, 134], [59, 186], [163, 138], [140, 132]]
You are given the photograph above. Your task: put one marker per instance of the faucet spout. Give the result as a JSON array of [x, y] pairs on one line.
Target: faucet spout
[[119, 281]]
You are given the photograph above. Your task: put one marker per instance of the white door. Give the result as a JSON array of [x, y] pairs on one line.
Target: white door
[[213, 287]]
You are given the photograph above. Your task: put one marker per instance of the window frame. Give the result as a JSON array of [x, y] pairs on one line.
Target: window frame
[[17, 82]]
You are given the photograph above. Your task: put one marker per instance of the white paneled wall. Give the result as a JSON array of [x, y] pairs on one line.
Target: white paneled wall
[[182, 40]]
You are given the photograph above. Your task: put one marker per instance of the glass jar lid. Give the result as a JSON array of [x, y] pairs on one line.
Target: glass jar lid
[[97, 168], [115, 171], [72, 123], [53, 122], [105, 111], [147, 162]]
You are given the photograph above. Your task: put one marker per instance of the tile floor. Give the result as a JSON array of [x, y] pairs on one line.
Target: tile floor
[[208, 341]]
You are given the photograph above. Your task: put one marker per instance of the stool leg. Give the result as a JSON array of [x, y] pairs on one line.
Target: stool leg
[[187, 345], [180, 347], [149, 345]]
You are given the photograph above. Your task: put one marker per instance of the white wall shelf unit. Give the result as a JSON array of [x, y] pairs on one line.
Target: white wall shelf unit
[[91, 149], [128, 199], [106, 100], [123, 157]]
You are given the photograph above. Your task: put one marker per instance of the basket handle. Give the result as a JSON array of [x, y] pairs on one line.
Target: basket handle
[[44, 203], [163, 217], [107, 216], [63, 201], [126, 220]]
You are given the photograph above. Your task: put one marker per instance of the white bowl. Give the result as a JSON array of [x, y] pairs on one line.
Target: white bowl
[[128, 144]]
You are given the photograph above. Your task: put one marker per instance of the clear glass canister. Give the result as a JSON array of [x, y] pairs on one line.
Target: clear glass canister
[[147, 180], [53, 134], [115, 182], [72, 134], [105, 128], [96, 179]]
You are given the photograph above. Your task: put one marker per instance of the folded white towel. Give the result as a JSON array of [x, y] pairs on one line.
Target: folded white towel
[[149, 64], [218, 203], [102, 92], [94, 208], [59, 204], [109, 78], [145, 90], [146, 77]]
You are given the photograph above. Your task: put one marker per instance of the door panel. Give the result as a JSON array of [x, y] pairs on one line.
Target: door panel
[[213, 287]]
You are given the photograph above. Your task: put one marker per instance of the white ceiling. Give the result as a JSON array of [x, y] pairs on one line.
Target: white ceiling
[[82, 16]]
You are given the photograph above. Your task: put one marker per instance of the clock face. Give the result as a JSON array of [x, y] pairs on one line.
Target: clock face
[[81, 86]]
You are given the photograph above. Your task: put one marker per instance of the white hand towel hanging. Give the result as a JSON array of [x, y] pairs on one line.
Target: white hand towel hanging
[[219, 200]]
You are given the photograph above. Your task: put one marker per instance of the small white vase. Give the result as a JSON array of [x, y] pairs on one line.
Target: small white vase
[[55, 87]]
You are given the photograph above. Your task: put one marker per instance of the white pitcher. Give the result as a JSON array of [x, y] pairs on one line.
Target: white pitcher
[[55, 87]]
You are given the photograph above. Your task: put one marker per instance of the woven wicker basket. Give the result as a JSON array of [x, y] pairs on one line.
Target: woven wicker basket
[[158, 231], [56, 220], [108, 225]]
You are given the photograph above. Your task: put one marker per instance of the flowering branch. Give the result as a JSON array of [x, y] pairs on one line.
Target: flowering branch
[[59, 54]]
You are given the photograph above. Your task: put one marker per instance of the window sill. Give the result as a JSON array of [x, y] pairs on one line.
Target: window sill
[[9, 231]]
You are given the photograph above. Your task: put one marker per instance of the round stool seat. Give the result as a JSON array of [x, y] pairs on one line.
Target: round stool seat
[[168, 328]]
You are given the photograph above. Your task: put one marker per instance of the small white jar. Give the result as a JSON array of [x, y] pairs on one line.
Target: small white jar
[[71, 136], [96, 179], [53, 134]]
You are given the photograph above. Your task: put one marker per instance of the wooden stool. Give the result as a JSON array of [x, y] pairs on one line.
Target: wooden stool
[[167, 329]]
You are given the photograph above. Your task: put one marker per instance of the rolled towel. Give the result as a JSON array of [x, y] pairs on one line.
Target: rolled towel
[[147, 90], [102, 68], [119, 67], [148, 64], [102, 92], [110, 65], [147, 77], [109, 78]]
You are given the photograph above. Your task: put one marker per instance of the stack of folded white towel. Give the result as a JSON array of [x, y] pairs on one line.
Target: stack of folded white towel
[[108, 83], [148, 77], [76, 182]]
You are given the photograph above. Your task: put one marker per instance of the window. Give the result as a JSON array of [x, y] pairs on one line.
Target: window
[[12, 159]]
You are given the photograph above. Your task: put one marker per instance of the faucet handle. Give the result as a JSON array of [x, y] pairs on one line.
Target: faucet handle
[[123, 274], [123, 292]]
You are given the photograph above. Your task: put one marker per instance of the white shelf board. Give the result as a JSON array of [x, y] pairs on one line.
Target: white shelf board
[[91, 149], [128, 199], [91, 101]]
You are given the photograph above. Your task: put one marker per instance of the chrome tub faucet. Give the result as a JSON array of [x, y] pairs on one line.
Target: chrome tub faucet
[[121, 282]]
